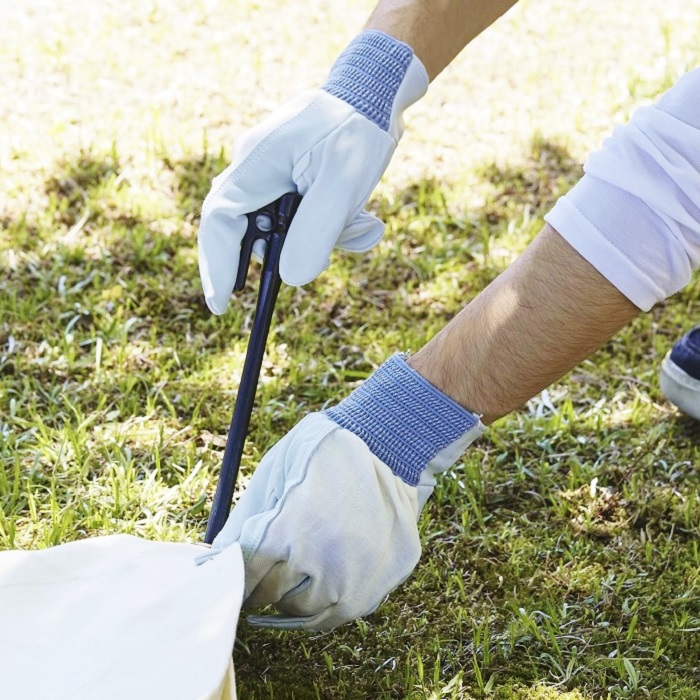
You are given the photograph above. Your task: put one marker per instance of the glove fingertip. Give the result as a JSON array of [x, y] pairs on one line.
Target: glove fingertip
[[216, 306], [296, 273], [363, 243]]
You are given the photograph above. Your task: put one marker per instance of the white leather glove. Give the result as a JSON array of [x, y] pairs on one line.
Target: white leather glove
[[327, 524], [331, 145]]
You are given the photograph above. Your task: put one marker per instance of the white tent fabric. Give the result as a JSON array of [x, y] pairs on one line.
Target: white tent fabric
[[116, 618]]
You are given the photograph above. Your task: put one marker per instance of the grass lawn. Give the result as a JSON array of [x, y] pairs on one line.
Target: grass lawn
[[561, 556]]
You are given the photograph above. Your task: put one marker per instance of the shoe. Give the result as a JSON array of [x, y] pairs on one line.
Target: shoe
[[680, 374]]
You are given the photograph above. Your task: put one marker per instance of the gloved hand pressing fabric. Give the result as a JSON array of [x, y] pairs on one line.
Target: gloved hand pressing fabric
[[327, 524], [331, 145]]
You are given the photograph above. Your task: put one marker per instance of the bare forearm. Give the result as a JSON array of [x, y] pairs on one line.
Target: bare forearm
[[539, 319], [436, 30]]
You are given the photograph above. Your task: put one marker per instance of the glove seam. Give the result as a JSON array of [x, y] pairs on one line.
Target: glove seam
[[363, 199], [263, 146], [315, 146], [248, 558], [269, 140]]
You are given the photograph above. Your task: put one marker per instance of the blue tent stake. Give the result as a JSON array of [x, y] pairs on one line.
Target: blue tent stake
[[270, 224]]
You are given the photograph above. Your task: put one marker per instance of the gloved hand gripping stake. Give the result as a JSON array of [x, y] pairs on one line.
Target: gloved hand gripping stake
[[270, 224]]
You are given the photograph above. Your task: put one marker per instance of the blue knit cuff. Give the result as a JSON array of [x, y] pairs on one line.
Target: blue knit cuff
[[402, 418], [368, 73]]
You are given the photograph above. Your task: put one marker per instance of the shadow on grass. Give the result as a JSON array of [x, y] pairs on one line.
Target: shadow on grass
[[128, 276], [88, 196], [426, 240]]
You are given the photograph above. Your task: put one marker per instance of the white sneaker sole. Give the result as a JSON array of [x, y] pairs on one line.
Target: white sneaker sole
[[680, 388]]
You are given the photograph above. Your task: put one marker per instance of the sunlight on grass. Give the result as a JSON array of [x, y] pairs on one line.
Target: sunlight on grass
[[561, 557]]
